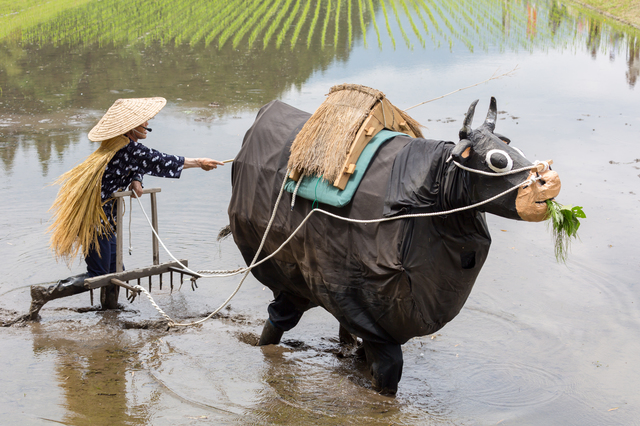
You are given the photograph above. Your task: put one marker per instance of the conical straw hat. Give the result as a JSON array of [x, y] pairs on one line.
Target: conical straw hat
[[124, 115]]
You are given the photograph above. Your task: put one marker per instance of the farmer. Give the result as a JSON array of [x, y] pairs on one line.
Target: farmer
[[84, 211]]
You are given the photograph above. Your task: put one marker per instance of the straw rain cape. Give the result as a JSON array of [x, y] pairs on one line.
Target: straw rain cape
[[78, 215], [322, 145]]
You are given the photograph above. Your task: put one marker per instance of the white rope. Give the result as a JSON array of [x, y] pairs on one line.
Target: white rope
[[510, 172], [546, 166], [130, 214], [253, 264], [295, 192], [172, 323], [482, 172]]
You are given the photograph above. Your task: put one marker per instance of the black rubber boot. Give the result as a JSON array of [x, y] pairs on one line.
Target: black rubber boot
[[63, 288], [109, 297], [271, 334]]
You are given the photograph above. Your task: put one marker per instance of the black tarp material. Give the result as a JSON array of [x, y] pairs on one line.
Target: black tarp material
[[384, 282]]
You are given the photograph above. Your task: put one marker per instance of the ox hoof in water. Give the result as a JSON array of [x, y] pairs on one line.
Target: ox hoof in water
[[271, 334]]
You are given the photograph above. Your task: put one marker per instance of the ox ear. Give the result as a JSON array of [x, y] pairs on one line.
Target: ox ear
[[466, 124], [462, 150], [490, 121], [502, 138]]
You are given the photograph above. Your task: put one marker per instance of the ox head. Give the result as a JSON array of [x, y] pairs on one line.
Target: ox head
[[484, 150]]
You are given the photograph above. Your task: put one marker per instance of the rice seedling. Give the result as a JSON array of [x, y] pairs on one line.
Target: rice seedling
[[416, 31], [434, 21], [250, 23], [25, 15], [337, 26], [363, 27], [301, 21], [386, 20], [314, 22], [233, 9], [325, 24], [207, 21], [564, 223], [468, 24], [402, 31], [447, 22], [276, 22], [418, 12], [266, 19], [375, 24], [192, 22], [240, 21], [350, 27], [287, 24]]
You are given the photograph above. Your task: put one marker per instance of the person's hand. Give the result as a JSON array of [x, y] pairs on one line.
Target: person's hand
[[136, 187], [209, 164], [204, 163]]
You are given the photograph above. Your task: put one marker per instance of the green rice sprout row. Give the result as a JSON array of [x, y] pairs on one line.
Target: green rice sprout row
[[402, 31], [301, 21], [564, 223], [275, 24], [325, 25], [375, 24], [287, 24], [363, 27], [386, 20], [316, 16], [469, 22]]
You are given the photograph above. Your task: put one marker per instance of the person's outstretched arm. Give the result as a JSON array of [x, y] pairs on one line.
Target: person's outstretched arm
[[204, 163], [189, 163]]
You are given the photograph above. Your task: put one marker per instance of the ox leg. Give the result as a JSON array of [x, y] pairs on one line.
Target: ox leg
[[271, 334], [284, 314], [385, 363], [346, 338]]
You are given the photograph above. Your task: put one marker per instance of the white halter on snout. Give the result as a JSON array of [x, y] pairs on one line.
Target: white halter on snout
[[510, 172]]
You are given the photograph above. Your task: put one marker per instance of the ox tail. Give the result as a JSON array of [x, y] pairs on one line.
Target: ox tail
[[224, 233]]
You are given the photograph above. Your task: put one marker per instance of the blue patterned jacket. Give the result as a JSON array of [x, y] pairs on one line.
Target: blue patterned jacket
[[132, 162]]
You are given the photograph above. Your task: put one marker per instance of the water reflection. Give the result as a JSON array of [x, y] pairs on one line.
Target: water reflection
[[311, 383], [633, 60], [75, 45], [93, 375], [62, 65]]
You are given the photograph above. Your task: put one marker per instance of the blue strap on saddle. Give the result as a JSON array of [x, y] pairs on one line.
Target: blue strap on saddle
[[315, 188]]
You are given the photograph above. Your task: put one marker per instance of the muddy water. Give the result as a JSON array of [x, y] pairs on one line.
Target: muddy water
[[537, 343]]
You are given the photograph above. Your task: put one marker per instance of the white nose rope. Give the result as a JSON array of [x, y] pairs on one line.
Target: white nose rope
[[253, 264], [545, 164]]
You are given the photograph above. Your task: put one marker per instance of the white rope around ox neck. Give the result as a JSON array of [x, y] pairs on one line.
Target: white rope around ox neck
[[253, 264]]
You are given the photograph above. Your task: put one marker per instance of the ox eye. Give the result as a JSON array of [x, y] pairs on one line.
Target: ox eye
[[499, 161]]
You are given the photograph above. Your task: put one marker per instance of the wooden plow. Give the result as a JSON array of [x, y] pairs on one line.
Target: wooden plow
[[110, 284]]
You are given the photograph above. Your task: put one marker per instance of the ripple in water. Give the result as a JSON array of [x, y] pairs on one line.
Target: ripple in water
[[511, 385]]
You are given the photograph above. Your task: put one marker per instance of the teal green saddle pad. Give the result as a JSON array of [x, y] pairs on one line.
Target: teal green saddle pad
[[316, 188]]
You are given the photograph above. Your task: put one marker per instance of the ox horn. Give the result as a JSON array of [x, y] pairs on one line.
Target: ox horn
[[490, 121], [468, 119]]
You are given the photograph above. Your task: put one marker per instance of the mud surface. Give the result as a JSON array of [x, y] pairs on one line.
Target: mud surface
[[537, 343]]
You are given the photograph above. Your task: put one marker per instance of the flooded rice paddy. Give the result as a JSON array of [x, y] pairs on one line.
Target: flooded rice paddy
[[537, 343]]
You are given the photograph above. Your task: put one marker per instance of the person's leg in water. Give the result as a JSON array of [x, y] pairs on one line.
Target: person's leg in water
[[108, 294], [97, 264]]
